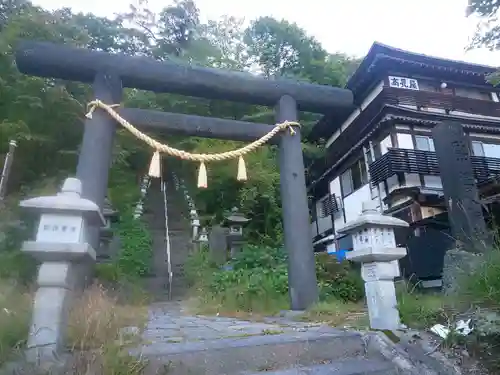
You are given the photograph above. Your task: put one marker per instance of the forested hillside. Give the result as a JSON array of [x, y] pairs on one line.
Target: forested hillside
[[45, 116]]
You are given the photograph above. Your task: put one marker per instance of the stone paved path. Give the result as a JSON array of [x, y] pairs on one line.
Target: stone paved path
[[169, 322]]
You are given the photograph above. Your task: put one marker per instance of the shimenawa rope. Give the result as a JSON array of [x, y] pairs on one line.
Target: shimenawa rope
[[154, 169]]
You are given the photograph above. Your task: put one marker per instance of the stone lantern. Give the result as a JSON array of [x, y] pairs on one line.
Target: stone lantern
[[106, 235], [195, 223], [235, 221], [203, 237], [374, 246], [61, 247]]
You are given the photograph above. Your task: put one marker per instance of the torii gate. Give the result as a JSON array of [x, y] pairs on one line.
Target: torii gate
[[110, 73]]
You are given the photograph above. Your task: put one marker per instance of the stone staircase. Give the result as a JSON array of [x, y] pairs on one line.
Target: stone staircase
[[180, 241], [179, 343], [176, 343]]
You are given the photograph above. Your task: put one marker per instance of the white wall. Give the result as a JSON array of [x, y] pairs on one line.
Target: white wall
[[354, 202]]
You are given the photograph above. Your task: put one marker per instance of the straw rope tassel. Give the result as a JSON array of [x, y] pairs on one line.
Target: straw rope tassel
[[202, 176], [155, 165], [242, 170]]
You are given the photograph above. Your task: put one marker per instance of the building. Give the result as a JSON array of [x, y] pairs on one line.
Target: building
[[382, 149]]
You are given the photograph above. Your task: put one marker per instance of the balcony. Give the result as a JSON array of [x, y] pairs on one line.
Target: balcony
[[448, 102], [399, 160]]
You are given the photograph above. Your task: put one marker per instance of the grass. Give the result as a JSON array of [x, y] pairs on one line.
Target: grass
[[421, 310], [15, 314], [96, 339], [257, 284], [337, 313], [241, 296]]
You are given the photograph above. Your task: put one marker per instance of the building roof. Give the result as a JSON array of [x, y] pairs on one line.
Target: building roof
[[382, 59]]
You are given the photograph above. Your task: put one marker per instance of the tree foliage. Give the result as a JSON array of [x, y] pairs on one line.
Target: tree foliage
[[488, 29], [45, 115]]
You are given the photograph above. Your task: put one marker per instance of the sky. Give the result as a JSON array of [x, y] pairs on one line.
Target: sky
[[433, 27]]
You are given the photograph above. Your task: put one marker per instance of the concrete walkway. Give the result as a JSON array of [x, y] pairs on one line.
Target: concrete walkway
[[169, 322]]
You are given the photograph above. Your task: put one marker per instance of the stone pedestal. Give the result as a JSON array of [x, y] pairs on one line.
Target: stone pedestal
[[381, 295], [458, 264], [50, 311]]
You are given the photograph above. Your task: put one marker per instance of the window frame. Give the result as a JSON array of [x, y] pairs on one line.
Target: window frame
[[428, 139], [360, 165]]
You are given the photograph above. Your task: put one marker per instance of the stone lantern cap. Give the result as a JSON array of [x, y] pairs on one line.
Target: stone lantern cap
[[235, 217], [68, 201], [371, 217], [109, 211]]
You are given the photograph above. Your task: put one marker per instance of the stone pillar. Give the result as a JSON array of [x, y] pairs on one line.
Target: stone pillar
[[303, 288], [465, 211], [97, 147], [374, 246], [61, 246]]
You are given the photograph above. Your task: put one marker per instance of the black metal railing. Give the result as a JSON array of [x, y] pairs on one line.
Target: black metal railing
[[400, 160], [330, 205]]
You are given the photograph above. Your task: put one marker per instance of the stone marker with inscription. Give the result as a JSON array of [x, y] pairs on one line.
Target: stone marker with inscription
[[465, 212]]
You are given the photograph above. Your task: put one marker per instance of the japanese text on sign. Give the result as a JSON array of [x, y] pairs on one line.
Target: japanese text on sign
[[403, 83]]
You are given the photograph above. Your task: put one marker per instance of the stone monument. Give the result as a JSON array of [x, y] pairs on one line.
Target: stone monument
[[374, 246], [217, 243], [61, 246], [465, 212]]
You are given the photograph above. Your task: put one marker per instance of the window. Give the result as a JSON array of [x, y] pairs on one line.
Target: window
[[377, 151], [424, 143], [354, 177], [477, 148], [346, 183], [489, 150], [359, 175], [472, 93], [368, 156]]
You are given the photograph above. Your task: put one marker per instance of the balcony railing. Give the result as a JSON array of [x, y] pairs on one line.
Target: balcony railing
[[449, 102], [400, 160]]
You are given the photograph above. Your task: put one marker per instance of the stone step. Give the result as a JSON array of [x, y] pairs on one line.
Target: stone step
[[357, 366], [237, 355]]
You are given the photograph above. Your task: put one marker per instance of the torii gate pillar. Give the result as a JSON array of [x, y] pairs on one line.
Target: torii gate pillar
[[302, 283], [96, 151]]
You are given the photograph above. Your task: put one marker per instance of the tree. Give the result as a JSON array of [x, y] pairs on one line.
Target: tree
[[281, 48], [46, 115], [488, 30]]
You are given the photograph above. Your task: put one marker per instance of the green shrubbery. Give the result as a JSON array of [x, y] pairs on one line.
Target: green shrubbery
[[257, 281]]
